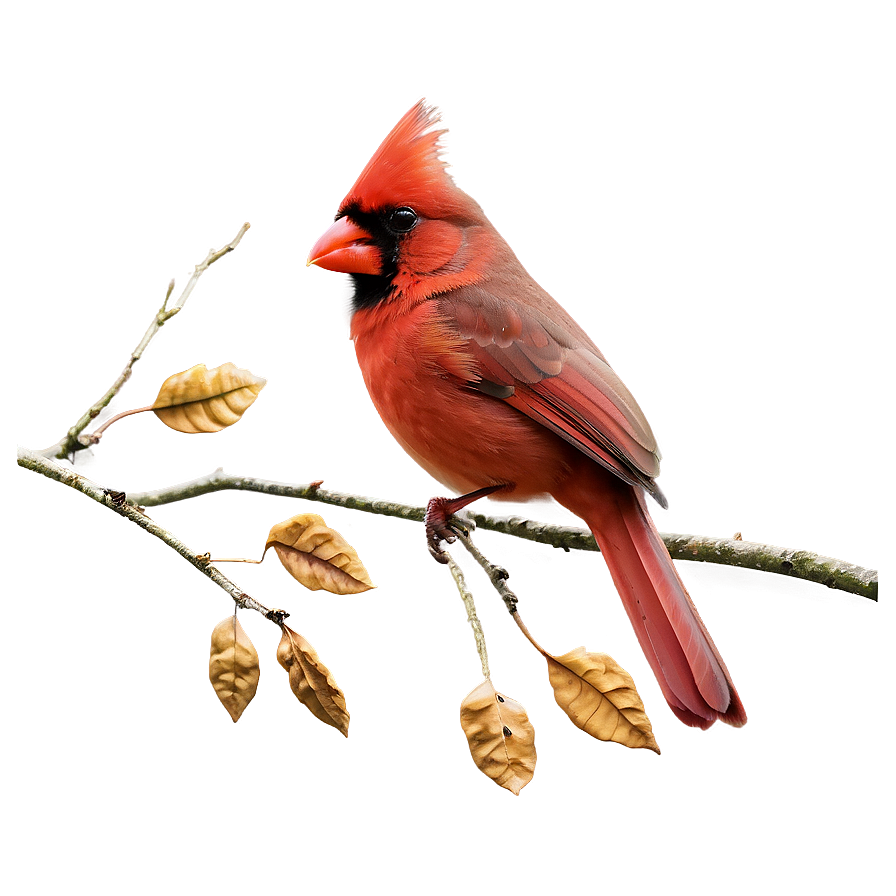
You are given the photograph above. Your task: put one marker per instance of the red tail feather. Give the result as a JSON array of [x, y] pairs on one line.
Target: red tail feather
[[678, 647]]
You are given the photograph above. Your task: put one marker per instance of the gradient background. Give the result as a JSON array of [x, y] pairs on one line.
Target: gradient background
[[708, 189]]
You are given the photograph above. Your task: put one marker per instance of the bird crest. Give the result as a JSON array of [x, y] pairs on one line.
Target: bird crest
[[407, 168]]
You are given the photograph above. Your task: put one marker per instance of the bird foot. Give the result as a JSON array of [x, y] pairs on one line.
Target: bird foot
[[438, 527], [440, 524]]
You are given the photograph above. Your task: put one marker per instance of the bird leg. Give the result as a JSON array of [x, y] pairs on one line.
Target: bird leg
[[438, 519]]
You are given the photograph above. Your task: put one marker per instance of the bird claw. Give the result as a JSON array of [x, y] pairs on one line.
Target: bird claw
[[439, 527], [442, 524], [438, 554]]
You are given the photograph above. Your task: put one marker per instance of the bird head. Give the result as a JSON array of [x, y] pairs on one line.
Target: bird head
[[405, 225]]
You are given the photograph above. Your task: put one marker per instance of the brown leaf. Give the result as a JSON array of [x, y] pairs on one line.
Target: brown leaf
[[201, 400], [233, 666], [600, 697], [317, 556], [311, 681], [501, 737]]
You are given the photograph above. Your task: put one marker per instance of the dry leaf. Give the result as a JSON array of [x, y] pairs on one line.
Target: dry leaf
[[319, 557], [311, 681], [201, 400], [501, 737], [233, 666], [600, 697]]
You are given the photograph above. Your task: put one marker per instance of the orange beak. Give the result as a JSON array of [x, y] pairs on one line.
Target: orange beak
[[347, 248]]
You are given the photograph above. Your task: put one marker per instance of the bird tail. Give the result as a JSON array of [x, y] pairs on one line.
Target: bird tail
[[687, 665]]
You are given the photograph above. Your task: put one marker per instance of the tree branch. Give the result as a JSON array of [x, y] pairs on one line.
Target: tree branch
[[115, 501], [730, 552], [805, 565], [72, 442]]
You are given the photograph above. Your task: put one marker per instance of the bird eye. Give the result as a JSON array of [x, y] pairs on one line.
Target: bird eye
[[401, 220]]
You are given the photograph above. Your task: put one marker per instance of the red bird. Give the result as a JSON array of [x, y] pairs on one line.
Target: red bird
[[490, 385]]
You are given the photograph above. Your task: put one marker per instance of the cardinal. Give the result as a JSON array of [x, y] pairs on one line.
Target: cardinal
[[493, 388]]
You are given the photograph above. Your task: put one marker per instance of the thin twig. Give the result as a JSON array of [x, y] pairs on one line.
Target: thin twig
[[497, 575], [804, 565], [467, 597], [37, 463], [72, 442], [203, 266]]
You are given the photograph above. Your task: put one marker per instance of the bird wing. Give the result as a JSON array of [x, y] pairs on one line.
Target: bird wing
[[553, 373]]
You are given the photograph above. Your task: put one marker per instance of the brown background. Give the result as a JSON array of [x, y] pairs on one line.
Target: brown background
[[709, 187]]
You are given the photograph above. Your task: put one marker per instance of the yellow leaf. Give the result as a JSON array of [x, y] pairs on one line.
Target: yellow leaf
[[233, 666], [501, 737], [311, 681], [317, 556], [201, 400], [600, 697]]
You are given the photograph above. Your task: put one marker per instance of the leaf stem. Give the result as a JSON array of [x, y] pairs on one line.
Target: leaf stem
[[72, 441], [522, 626], [233, 560], [93, 437]]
